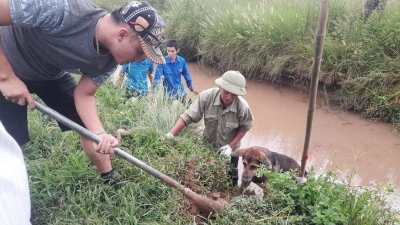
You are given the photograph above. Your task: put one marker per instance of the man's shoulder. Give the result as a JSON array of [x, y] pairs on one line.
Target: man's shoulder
[[147, 62], [209, 93], [84, 8], [180, 59], [48, 17], [242, 102]]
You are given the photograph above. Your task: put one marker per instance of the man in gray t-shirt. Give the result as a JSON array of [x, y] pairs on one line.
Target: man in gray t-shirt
[[41, 42]]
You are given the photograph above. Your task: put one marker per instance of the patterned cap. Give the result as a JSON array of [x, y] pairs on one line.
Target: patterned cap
[[144, 20]]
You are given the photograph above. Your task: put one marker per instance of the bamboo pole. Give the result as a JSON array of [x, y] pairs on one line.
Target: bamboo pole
[[319, 46]]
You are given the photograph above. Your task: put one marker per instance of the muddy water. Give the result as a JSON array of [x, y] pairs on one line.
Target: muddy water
[[339, 140]]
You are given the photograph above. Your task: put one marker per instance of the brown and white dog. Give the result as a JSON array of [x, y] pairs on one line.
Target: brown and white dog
[[254, 156]]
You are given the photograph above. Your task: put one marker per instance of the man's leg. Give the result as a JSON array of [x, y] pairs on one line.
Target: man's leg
[[58, 95], [15, 121], [101, 161]]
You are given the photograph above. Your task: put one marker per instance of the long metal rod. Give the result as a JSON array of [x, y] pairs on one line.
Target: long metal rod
[[319, 46], [93, 137], [204, 204]]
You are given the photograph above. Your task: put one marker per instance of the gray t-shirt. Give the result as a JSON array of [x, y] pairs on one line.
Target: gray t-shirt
[[52, 37]]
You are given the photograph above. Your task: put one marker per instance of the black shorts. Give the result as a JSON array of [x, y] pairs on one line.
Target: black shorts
[[56, 94]]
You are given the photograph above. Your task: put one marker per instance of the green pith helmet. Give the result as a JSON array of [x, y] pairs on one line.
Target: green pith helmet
[[233, 82]]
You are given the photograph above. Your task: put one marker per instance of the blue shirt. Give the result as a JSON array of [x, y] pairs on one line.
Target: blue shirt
[[172, 73], [136, 75]]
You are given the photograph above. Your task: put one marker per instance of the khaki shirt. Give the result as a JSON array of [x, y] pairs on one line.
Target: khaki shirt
[[221, 126]]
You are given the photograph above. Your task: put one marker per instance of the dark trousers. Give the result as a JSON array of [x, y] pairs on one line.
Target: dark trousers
[[129, 94], [56, 94]]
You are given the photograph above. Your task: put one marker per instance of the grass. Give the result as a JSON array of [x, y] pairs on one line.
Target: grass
[[274, 41], [66, 188], [271, 40]]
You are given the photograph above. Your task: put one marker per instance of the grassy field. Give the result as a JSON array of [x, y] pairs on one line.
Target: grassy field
[[271, 40], [66, 188]]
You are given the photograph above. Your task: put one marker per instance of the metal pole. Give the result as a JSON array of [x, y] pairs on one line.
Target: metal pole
[[204, 204]]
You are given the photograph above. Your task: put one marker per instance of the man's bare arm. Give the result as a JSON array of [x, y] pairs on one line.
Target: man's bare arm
[[85, 103], [11, 86], [237, 138], [5, 17], [179, 125]]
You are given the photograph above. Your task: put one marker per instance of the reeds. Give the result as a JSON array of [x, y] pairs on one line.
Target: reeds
[[273, 40]]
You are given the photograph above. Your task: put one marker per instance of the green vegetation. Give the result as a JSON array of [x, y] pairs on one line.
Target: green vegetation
[[271, 40], [318, 201], [274, 40], [66, 188], [65, 185]]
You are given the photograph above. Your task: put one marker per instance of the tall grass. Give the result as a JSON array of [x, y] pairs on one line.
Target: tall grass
[[274, 40]]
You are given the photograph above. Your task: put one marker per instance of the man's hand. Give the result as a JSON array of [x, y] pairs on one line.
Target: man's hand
[[168, 135], [13, 89], [225, 150], [107, 145]]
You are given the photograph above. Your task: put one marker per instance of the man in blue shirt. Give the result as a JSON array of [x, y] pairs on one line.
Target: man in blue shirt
[[172, 70], [136, 74]]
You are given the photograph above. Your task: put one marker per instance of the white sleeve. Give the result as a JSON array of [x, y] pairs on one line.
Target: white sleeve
[[15, 204]]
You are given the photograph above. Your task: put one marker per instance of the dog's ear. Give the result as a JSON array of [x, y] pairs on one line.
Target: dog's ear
[[238, 153], [264, 160]]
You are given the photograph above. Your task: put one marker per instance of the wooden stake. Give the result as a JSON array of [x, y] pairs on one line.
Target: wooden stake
[[319, 46]]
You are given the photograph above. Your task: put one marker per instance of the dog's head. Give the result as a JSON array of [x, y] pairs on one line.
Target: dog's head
[[251, 157]]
